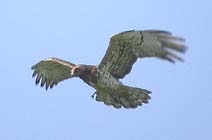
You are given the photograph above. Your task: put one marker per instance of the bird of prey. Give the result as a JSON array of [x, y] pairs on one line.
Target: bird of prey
[[123, 51]]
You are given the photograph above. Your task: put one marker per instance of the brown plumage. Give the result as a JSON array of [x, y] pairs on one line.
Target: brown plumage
[[123, 51]]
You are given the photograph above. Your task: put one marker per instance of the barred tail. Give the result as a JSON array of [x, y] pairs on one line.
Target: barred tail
[[128, 97], [134, 97]]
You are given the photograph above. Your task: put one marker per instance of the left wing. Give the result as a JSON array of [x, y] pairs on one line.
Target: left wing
[[51, 71], [124, 49]]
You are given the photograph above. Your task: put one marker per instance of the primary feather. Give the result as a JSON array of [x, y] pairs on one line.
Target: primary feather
[[126, 47], [51, 71]]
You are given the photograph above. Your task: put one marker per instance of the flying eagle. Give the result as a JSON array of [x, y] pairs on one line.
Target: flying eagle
[[123, 51]]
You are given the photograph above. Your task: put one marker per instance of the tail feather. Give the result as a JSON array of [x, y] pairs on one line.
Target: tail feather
[[107, 99], [135, 97], [126, 96]]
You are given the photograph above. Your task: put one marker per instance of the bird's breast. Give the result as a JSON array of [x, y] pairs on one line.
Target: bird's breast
[[106, 81]]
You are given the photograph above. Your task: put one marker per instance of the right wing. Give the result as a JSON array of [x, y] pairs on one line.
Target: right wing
[[51, 71], [124, 49]]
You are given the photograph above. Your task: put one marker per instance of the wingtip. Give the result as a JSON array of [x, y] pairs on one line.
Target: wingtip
[[147, 91], [46, 87], [37, 81], [34, 74], [185, 49], [33, 67]]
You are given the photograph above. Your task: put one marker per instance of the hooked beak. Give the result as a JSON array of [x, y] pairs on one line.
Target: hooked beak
[[73, 70]]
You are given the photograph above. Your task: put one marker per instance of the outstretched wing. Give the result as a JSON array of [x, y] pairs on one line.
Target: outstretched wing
[[51, 71], [124, 49]]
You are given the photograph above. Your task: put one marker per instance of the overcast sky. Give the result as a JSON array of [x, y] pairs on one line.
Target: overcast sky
[[79, 31]]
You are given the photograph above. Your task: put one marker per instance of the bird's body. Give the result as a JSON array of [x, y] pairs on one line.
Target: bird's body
[[89, 76], [123, 51]]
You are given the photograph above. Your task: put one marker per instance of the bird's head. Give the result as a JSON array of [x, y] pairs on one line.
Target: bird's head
[[77, 70], [80, 70]]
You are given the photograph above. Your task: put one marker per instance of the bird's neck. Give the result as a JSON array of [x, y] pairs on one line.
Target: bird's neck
[[89, 75]]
